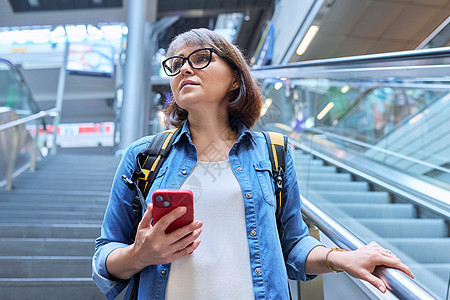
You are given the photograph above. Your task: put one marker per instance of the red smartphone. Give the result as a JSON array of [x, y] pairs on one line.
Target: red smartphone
[[166, 200]]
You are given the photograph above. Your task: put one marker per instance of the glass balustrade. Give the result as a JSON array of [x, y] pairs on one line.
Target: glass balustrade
[[380, 115]]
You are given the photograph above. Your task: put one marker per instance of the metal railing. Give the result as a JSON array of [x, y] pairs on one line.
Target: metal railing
[[14, 127], [400, 284]]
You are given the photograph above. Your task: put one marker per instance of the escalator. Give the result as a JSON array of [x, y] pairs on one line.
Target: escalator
[[372, 139]]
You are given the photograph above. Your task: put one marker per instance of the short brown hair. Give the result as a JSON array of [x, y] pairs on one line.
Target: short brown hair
[[245, 102]]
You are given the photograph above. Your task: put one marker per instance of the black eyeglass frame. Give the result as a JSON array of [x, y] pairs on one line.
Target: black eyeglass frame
[[187, 58]]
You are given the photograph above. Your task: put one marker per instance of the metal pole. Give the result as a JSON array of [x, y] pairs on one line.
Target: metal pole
[[154, 30], [59, 98], [12, 160], [35, 148], [134, 73]]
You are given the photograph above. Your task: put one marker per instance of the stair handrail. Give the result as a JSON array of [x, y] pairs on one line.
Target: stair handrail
[[13, 125], [400, 284]]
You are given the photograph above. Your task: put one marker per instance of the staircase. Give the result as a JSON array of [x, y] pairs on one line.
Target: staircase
[[421, 243], [48, 225]]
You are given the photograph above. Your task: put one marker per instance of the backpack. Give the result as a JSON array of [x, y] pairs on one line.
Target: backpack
[[149, 161]]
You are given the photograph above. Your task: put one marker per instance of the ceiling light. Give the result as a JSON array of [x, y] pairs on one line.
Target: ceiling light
[[325, 110], [266, 106], [278, 85], [345, 89], [415, 119], [307, 39], [34, 3]]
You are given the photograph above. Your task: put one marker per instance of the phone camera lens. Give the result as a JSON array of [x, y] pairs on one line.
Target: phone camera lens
[[159, 198], [166, 203]]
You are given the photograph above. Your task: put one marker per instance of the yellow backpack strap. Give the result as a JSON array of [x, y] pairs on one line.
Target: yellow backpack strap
[[148, 162], [152, 158], [276, 145]]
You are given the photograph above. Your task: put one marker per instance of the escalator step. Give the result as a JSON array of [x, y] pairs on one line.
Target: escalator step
[[442, 270], [381, 211], [315, 169], [424, 250], [355, 197], [353, 186], [329, 177], [398, 228]]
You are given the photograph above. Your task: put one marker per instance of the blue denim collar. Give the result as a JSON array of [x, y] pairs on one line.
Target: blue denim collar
[[242, 130]]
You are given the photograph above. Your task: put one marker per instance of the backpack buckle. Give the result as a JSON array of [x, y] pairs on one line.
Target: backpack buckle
[[130, 184], [279, 179]]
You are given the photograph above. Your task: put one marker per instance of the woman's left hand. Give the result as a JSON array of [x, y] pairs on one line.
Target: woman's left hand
[[361, 263]]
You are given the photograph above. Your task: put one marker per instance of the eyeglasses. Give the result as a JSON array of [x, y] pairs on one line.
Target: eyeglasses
[[199, 59]]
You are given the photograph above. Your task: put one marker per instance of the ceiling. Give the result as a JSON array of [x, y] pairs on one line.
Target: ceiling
[[347, 27], [357, 27], [193, 14]]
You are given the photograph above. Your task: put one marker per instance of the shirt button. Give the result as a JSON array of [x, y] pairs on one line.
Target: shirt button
[[238, 169], [184, 172], [253, 232], [248, 195], [163, 272], [258, 271]]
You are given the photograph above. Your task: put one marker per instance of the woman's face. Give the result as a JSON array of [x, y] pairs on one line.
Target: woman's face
[[199, 89]]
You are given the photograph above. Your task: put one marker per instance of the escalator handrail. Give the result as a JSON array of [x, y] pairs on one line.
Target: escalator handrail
[[31, 100], [379, 149], [401, 285], [51, 112], [362, 59]]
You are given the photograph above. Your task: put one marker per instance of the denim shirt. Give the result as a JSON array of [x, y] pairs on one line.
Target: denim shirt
[[270, 260]]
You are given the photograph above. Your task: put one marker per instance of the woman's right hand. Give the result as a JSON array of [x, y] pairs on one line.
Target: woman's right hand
[[152, 246]]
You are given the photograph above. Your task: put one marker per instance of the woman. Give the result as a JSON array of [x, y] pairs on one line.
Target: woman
[[226, 166]]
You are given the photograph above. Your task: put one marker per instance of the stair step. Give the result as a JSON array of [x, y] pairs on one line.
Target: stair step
[[15, 215], [368, 210], [46, 247], [20, 197], [424, 250], [76, 172], [49, 288], [45, 266], [28, 192], [40, 185], [47, 221], [354, 186], [54, 206], [65, 181], [24, 230], [355, 197], [397, 228], [75, 176]]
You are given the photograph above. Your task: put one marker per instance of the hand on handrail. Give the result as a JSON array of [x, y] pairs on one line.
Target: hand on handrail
[[365, 262]]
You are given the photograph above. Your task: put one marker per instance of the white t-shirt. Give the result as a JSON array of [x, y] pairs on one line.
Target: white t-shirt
[[220, 267]]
